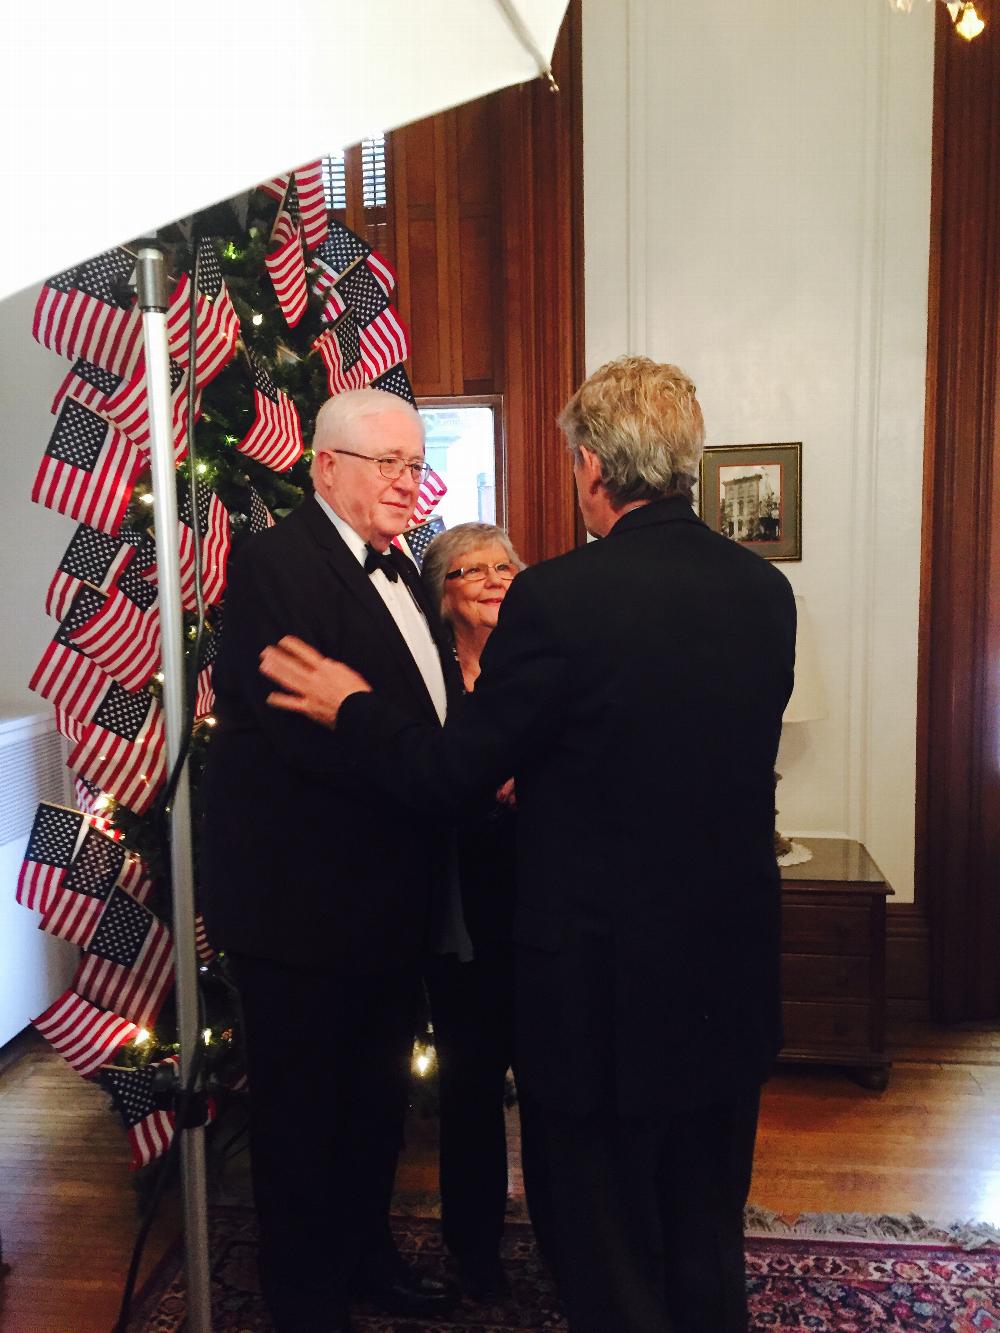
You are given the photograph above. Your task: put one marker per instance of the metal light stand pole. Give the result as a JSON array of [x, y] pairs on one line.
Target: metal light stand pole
[[151, 280]]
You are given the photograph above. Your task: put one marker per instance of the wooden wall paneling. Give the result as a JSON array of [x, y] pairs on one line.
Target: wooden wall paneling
[[542, 290], [422, 240], [479, 276], [958, 813], [907, 982]]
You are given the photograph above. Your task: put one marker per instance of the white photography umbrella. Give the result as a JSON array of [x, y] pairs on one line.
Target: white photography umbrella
[[119, 118]]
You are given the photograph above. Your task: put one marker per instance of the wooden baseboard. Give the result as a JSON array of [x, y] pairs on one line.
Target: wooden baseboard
[[907, 972]]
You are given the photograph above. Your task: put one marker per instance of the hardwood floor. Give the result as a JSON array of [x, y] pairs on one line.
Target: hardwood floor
[[929, 1144]]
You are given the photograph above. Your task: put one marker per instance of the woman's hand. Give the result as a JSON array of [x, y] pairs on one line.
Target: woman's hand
[[316, 685]]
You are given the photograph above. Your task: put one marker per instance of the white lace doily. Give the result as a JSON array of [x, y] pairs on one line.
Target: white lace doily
[[797, 855]]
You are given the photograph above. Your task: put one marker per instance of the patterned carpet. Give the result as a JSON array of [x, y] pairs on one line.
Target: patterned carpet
[[819, 1274]]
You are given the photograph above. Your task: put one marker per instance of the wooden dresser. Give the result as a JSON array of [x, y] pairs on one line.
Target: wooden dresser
[[833, 959]]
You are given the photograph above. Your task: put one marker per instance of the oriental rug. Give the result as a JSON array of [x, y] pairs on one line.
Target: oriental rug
[[821, 1273]]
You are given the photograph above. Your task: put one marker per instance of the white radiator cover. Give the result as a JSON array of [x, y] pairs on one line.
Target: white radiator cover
[[34, 967]]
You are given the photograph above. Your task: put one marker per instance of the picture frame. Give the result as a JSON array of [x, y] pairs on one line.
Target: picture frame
[[753, 494]]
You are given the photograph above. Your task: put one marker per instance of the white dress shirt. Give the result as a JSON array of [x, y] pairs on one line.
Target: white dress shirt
[[401, 605]]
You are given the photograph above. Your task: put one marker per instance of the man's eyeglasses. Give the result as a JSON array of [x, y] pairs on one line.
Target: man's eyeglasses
[[391, 468], [477, 573]]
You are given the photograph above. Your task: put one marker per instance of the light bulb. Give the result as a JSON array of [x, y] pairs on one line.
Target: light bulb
[[147, 498], [257, 319], [423, 1064], [141, 1037], [211, 720], [103, 801], [207, 1036], [201, 469], [969, 23]]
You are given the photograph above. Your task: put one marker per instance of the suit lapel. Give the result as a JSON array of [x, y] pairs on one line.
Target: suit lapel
[[350, 572]]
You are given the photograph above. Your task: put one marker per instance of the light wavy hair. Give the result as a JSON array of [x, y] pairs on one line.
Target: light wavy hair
[[445, 552], [642, 421]]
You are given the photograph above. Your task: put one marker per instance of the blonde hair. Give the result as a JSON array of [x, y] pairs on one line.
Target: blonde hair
[[450, 546], [643, 422]]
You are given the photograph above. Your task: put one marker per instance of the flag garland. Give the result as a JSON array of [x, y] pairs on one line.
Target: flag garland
[[78, 873]]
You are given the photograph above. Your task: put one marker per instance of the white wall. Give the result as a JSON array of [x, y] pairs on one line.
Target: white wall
[[757, 195]]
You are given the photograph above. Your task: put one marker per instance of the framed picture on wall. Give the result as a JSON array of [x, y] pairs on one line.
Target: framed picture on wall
[[753, 493]]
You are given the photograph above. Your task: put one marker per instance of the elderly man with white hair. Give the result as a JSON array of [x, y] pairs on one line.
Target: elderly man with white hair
[[321, 891]]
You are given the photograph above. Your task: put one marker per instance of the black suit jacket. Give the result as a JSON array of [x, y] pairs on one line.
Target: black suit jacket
[[302, 860], [635, 687]]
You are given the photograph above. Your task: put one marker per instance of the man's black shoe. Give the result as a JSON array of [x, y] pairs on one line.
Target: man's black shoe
[[397, 1288]]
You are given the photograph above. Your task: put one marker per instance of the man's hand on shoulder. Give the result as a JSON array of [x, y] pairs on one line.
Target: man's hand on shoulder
[[315, 685]]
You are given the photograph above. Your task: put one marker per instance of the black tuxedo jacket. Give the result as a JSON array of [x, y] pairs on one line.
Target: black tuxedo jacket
[[302, 860], [635, 688]]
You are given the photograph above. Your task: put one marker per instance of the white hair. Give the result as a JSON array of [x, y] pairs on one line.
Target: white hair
[[337, 417]]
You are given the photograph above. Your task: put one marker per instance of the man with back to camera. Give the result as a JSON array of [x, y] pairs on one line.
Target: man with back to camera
[[318, 887], [635, 688]]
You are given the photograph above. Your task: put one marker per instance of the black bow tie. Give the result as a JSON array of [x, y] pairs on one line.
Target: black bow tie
[[381, 560]]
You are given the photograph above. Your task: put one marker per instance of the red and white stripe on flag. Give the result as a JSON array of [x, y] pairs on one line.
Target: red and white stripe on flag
[[217, 328], [123, 638], [129, 768], [215, 543], [85, 1035], [275, 438], [340, 377], [432, 491], [312, 202], [71, 682], [76, 324], [202, 946], [138, 987], [96, 492], [287, 267]]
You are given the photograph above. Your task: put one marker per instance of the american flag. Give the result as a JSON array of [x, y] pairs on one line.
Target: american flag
[[383, 335], [150, 1126], [312, 202], [128, 408], [66, 676], [88, 384], [216, 322], [123, 637], [88, 311], [92, 557], [396, 381], [202, 947], [99, 864], [432, 491], [84, 1035], [275, 438], [123, 748], [213, 524], [340, 348], [260, 517], [418, 538], [128, 965], [54, 838], [89, 469], [341, 250], [287, 267], [204, 698]]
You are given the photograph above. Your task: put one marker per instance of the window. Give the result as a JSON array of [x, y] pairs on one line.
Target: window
[[335, 181], [373, 171], [463, 448]]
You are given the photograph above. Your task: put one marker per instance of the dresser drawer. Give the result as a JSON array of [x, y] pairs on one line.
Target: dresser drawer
[[825, 929], [824, 977], [817, 1027]]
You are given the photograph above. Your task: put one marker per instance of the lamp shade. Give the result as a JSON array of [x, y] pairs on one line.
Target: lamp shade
[[808, 702]]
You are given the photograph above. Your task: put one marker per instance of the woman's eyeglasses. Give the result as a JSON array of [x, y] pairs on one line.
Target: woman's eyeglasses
[[478, 573]]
